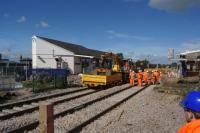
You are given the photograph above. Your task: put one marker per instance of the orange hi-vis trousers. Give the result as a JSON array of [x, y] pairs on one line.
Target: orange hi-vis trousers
[[154, 80], [140, 77], [139, 82], [132, 78], [146, 81], [132, 82]]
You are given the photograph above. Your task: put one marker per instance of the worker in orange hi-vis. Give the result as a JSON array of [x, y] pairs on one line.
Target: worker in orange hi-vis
[[149, 78], [160, 77], [140, 77], [153, 77], [132, 78], [157, 76], [145, 77], [191, 107]]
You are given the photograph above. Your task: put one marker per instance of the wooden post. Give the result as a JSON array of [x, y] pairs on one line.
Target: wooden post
[[46, 117]]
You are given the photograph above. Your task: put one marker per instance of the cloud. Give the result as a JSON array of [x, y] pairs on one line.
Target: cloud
[[115, 34], [6, 15], [43, 24], [173, 5], [22, 19], [191, 45]]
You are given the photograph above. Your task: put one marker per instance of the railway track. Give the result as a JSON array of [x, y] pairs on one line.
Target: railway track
[[105, 94], [28, 108], [22, 102], [80, 126]]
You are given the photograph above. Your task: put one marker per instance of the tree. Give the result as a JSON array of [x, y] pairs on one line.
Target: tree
[[121, 56]]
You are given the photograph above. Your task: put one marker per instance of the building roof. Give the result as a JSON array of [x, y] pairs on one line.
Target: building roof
[[190, 52], [76, 49], [191, 55]]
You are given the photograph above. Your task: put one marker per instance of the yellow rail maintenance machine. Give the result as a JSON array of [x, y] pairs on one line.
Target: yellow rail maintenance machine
[[106, 76]]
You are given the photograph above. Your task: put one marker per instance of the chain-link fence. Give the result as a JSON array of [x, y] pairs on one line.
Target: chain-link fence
[[11, 77], [43, 79], [38, 79], [7, 82]]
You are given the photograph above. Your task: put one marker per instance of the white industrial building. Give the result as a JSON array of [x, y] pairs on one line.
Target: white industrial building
[[50, 53]]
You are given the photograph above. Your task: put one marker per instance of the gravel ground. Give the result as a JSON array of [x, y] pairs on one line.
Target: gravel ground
[[31, 117], [148, 112], [25, 94], [74, 79], [71, 120], [77, 102]]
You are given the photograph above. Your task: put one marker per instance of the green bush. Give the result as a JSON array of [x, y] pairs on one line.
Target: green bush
[[45, 83], [28, 84]]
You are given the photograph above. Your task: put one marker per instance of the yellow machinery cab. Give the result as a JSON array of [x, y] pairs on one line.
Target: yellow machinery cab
[[105, 76]]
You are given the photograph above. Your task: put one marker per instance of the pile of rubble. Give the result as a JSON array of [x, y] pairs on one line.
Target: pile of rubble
[[74, 80]]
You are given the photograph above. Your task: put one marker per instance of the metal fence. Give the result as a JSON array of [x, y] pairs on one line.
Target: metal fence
[[7, 82], [48, 79], [39, 79], [10, 77]]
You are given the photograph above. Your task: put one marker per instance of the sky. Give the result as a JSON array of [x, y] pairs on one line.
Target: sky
[[138, 28]]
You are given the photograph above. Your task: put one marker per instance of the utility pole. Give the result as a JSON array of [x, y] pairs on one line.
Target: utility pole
[[26, 71]]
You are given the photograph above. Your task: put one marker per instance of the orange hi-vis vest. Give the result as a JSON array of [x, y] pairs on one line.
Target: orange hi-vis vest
[[132, 75], [139, 75], [157, 74], [145, 76], [154, 75], [192, 127]]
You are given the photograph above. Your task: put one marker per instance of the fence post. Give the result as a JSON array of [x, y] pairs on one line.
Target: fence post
[[33, 83], [46, 117]]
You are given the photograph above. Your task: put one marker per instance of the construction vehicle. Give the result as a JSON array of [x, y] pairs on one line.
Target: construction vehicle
[[111, 72]]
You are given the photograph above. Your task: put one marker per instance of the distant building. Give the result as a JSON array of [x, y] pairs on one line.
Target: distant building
[[190, 63], [13, 68], [26, 62], [50, 53]]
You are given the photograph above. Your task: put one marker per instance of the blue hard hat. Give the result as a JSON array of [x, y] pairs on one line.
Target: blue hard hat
[[192, 101]]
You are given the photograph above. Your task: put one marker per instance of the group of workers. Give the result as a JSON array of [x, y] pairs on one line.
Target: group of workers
[[146, 77], [190, 104]]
